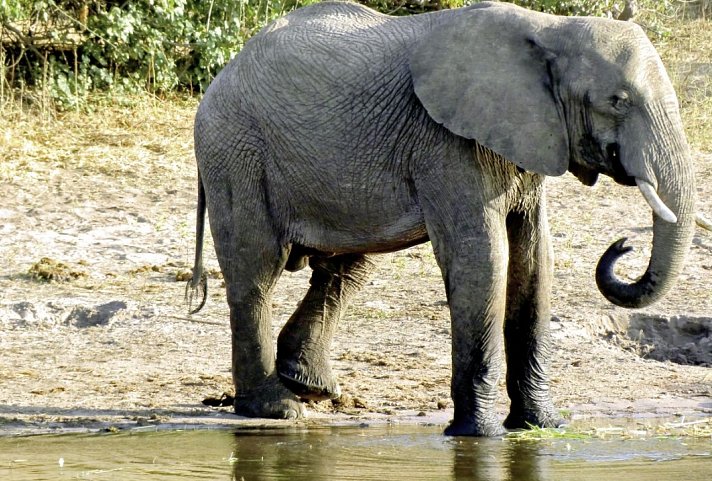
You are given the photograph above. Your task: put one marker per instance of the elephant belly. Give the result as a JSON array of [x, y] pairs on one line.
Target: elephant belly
[[347, 227], [389, 238]]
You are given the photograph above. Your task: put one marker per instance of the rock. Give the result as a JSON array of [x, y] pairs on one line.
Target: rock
[[681, 339], [83, 316]]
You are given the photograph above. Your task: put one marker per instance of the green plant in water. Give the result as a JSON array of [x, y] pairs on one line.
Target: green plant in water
[[699, 428], [535, 433]]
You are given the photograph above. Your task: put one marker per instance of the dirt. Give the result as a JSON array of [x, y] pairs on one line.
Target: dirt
[[96, 237]]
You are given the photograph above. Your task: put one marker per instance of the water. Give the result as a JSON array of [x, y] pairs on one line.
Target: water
[[380, 453]]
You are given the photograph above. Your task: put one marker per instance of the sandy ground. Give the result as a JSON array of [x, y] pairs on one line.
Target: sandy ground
[[112, 195]]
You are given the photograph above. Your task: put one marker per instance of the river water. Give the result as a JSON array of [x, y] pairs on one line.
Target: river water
[[382, 453]]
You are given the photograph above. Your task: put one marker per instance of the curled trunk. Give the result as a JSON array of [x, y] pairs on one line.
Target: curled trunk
[[668, 168]]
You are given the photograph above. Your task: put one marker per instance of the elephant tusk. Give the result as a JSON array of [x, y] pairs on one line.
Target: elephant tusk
[[704, 223], [658, 206]]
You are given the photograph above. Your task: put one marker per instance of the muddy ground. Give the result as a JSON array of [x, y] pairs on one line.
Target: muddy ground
[[107, 341]]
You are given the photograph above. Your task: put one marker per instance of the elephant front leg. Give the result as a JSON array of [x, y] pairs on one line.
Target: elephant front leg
[[476, 294], [464, 214], [303, 346], [475, 286], [526, 328]]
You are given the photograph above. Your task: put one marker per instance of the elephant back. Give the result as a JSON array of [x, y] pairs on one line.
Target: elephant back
[[326, 49]]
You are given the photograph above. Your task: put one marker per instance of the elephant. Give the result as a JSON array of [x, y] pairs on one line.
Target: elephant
[[338, 133]]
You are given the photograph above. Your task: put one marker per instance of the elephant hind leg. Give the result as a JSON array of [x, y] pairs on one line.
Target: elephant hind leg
[[252, 260], [303, 346]]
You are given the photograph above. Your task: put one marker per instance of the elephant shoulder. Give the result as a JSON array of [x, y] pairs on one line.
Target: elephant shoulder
[[325, 17], [343, 41], [338, 50], [342, 10]]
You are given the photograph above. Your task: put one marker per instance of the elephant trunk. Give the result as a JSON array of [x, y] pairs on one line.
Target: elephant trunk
[[666, 180]]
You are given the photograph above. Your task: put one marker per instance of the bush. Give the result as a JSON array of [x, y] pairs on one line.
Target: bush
[[68, 48], [569, 7]]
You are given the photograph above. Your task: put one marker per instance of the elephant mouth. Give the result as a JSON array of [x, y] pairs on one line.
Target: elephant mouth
[[618, 172], [585, 175], [603, 159], [607, 160]]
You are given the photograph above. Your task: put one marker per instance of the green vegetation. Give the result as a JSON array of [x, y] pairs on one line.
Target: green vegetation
[[68, 48], [571, 7], [701, 428]]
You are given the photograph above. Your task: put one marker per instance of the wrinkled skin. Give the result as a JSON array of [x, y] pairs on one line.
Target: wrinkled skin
[[339, 132]]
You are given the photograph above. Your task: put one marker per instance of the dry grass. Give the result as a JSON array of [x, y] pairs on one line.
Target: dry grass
[[686, 54], [146, 137], [51, 270]]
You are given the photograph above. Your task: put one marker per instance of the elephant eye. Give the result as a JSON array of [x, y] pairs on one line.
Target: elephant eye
[[619, 100]]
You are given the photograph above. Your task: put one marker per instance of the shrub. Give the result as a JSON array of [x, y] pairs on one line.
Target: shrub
[[67, 48], [570, 7]]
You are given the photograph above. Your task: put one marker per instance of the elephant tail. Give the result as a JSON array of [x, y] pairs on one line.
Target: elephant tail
[[197, 286]]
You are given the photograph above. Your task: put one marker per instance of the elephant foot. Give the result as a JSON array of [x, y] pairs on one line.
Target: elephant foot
[[546, 417], [483, 428], [270, 400], [313, 383]]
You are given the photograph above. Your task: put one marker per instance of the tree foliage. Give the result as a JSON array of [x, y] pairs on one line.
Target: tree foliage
[[68, 48], [570, 7]]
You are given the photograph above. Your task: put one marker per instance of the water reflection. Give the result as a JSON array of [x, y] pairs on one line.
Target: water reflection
[[423, 453], [380, 454], [266, 455], [498, 461]]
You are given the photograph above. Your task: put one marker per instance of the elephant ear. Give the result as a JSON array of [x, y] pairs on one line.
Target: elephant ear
[[485, 75]]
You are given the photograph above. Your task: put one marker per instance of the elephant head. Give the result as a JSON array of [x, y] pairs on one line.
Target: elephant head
[[587, 95]]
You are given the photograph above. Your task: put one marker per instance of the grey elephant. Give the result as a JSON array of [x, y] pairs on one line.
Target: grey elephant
[[339, 132]]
